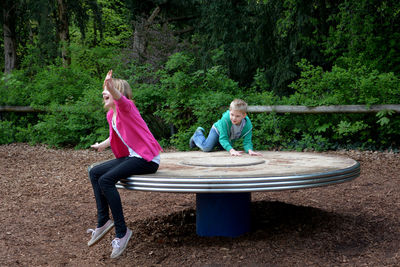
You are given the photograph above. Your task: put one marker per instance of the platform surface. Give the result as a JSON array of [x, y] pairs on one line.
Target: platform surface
[[221, 164], [201, 172]]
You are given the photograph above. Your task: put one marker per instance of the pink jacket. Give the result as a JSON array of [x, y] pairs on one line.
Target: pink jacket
[[133, 130]]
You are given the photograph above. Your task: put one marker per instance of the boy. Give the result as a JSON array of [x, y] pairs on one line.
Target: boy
[[233, 125]]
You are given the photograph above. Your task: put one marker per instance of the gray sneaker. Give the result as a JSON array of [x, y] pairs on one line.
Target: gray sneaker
[[119, 244], [98, 233]]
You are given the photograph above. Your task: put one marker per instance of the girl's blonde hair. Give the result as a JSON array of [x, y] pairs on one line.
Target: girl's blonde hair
[[239, 105], [124, 87]]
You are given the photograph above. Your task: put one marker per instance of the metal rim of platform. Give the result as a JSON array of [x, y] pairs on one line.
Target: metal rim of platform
[[238, 184]]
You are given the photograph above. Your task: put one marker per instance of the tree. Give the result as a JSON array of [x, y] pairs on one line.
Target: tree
[[63, 31], [160, 29], [271, 36], [9, 34], [367, 32], [38, 30]]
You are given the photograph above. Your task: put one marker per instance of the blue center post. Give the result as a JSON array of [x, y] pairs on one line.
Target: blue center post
[[222, 214]]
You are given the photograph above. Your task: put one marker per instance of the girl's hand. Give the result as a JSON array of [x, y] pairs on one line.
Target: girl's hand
[[97, 146], [108, 82], [253, 153], [235, 153], [101, 146], [109, 85]]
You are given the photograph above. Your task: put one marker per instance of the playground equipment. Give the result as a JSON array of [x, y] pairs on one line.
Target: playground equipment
[[223, 184]]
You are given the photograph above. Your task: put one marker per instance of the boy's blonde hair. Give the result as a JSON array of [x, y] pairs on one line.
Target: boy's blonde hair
[[239, 105], [124, 87]]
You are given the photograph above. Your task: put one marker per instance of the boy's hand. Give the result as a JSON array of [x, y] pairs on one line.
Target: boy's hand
[[233, 152], [253, 153]]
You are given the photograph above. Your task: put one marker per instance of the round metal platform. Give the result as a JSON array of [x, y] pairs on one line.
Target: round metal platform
[[218, 172], [223, 184]]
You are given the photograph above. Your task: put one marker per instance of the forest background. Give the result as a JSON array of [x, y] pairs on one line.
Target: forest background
[[187, 59]]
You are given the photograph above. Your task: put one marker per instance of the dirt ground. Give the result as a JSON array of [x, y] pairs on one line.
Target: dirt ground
[[47, 204]]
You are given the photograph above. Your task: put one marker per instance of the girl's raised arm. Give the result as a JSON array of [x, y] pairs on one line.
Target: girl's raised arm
[[109, 85]]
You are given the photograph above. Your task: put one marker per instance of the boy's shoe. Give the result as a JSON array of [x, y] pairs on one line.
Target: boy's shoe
[[98, 233], [119, 244], [191, 141], [200, 129]]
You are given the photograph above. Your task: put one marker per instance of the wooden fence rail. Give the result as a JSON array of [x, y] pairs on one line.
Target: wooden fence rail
[[274, 108], [18, 109], [324, 109]]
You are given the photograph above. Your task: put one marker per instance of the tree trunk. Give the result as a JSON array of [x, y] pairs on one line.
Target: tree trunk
[[139, 36], [9, 24], [63, 32]]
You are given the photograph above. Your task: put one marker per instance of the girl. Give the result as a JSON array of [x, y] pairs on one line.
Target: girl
[[136, 152]]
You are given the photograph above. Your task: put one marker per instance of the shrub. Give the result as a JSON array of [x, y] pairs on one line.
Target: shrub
[[7, 132], [177, 99], [14, 90], [342, 86], [78, 124]]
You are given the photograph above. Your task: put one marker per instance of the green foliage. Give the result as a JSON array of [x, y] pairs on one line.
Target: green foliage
[[366, 32], [343, 86], [7, 132], [43, 46], [79, 124], [13, 89], [58, 85], [95, 61], [264, 37], [16, 128], [309, 142], [115, 28], [177, 99], [351, 85], [51, 85], [72, 99], [149, 99], [192, 97], [329, 53]]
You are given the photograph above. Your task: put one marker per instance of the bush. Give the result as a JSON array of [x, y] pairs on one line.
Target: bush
[[59, 86], [14, 90], [78, 124], [73, 103], [177, 99], [7, 132], [343, 86], [95, 61], [191, 97]]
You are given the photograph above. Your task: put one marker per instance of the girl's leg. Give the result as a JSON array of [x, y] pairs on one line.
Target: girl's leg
[[127, 167], [208, 144], [101, 202]]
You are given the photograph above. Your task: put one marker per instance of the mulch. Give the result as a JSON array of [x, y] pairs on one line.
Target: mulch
[[47, 204]]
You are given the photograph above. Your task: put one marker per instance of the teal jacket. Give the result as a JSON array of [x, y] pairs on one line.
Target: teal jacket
[[224, 129]]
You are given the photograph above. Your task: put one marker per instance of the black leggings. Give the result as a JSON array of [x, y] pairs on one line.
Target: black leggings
[[104, 177]]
